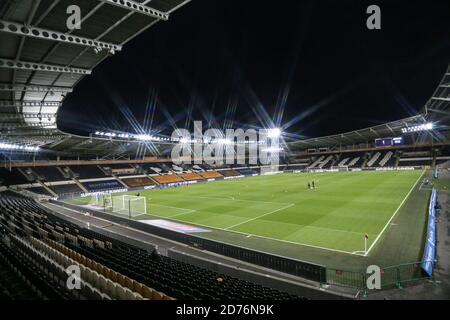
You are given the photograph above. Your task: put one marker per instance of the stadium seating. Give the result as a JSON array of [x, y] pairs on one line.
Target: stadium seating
[[104, 185], [62, 189], [247, 171], [190, 176], [168, 178], [88, 172], [12, 177], [107, 263], [416, 157], [138, 182], [49, 173], [40, 190], [229, 173], [210, 174]]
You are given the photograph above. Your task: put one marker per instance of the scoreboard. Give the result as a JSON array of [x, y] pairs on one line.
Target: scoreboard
[[389, 142]]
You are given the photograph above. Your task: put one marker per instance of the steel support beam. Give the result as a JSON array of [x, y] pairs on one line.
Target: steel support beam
[[34, 88], [35, 32], [441, 98], [139, 8], [32, 66]]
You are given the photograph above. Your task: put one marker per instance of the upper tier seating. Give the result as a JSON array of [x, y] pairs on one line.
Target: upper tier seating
[[210, 174], [138, 182], [104, 185], [88, 172], [118, 259], [168, 178], [49, 173], [13, 177], [121, 169]]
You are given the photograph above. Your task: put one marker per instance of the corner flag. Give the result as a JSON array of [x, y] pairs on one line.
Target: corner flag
[[366, 237]]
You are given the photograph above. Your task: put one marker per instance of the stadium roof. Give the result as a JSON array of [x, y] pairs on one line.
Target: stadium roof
[[41, 60], [436, 110]]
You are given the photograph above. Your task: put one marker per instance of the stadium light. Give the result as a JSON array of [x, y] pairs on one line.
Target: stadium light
[[9, 146], [422, 127], [273, 149], [224, 141], [274, 133]]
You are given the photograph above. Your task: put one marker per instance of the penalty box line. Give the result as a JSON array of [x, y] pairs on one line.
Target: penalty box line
[[260, 216]]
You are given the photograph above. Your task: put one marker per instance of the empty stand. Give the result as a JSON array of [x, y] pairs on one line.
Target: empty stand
[[103, 185], [210, 174], [138, 182], [168, 178], [103, 258], [229, 173], [87, 172], [190, 176]]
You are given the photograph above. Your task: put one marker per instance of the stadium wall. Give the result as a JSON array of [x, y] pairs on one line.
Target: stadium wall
[[429, 254]]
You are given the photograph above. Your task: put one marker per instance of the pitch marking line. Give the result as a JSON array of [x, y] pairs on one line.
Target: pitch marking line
[[395, 213], [260, 216], [234, 199]]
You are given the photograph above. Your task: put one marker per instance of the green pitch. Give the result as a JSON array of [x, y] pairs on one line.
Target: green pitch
[[335, 216]]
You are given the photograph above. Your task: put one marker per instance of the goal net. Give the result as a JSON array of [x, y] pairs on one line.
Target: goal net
[[131, 206], [340, 168], [101, 200]]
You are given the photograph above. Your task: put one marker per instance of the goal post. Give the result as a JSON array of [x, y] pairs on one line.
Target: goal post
[[131, 206], [340, 168], [103, 200]]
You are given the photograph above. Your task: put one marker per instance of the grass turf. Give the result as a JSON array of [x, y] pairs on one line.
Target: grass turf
[[335, 216]]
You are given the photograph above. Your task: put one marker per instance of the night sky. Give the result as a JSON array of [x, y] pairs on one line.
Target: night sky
[[311, 67]]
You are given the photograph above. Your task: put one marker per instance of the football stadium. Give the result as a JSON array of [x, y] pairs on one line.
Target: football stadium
[[178, 183]]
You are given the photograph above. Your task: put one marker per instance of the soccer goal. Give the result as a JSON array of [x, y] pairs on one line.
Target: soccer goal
[[101, 200], [340, 168], [131, 206]]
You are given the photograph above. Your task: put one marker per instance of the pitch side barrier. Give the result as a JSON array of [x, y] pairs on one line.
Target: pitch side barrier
[[429, 254], [295, 267]]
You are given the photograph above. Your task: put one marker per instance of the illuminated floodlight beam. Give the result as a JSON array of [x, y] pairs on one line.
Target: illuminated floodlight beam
[[8, 146], [274, 133], [273, 149]]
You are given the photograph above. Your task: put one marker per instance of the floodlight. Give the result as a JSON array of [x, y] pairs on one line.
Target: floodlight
[[272, 149], [224, 141], [274, 133], [422, 127]]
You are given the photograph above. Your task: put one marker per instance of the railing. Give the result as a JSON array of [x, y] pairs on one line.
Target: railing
[[397, 276]]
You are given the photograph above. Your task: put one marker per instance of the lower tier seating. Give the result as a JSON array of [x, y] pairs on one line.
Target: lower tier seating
[[112, 263]]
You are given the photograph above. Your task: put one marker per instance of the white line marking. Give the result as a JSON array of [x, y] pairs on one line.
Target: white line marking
[[395, 213], [234, 199], [260, 216]]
